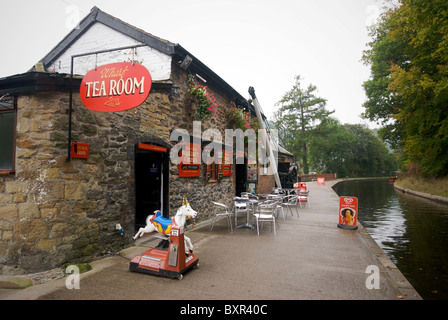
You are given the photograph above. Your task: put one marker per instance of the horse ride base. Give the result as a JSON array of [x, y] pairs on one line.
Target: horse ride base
[[168, 259]]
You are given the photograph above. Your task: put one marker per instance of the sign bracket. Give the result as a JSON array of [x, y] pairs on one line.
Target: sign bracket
[[70, 107]]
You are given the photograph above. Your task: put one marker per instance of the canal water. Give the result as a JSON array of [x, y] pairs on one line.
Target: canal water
[[411, 230]]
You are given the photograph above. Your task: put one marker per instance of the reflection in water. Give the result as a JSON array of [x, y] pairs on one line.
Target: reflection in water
[[389, 224], [412, 231]]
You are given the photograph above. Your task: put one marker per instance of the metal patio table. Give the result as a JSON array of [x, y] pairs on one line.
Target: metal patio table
[[252, 203]]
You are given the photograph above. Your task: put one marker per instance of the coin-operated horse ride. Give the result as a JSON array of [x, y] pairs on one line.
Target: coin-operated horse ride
[[170, 258]]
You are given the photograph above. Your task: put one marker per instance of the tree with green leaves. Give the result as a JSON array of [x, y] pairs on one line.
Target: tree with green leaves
[[369, 155], [408, 88], [301, 110], [330, 150], [349, 150]]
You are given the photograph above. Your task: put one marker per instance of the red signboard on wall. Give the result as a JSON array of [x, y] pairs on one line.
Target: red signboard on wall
[[151, 147], [80, 150], [348, 212], [226, 166], [115, 87], [190, 162]]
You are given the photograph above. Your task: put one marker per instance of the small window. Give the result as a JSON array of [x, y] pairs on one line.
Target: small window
[[212, 168], [7, 134]]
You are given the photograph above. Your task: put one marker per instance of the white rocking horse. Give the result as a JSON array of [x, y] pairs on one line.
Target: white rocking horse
[[157, 222]]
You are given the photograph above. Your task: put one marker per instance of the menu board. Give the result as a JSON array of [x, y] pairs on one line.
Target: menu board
[[226, 164], [190, 165]]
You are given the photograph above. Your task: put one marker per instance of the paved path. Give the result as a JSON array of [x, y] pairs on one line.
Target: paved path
[[310, 258]]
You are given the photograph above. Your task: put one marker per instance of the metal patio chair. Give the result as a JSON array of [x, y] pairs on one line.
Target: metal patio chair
[[266, 212], [221, 210], [240, 205], [279, 199], [291, 201]]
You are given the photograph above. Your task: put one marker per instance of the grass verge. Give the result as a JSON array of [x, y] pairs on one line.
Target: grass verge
[[438, 187]]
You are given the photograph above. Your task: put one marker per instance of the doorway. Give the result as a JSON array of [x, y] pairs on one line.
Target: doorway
[[241, 177], [151, 184]]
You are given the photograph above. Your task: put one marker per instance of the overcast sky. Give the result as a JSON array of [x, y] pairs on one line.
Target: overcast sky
[[258, 43]]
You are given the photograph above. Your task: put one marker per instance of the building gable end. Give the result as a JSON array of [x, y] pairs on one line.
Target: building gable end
[[113, 23]]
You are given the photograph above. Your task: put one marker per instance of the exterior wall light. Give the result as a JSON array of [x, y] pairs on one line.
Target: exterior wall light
[[174, 91]]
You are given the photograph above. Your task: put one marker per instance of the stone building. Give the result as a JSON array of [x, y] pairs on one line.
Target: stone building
[[56, 208]]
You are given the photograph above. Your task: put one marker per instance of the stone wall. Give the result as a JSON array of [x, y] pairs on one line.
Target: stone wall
[[53, 211], [46, 203], [199, 192]]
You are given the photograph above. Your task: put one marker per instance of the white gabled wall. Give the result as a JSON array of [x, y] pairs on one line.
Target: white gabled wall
[[100, 37]]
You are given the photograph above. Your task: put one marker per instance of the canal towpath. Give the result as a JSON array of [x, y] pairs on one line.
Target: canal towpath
[[309, 259]]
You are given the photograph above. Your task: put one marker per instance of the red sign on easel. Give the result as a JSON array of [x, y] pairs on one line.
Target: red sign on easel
[[348, 213]]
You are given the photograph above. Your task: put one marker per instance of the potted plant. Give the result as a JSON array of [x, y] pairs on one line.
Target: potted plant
[[201, 97]]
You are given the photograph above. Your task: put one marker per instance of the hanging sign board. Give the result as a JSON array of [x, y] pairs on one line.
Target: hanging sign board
[[348, 213], [80, 150], [115, 87]]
